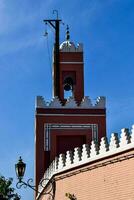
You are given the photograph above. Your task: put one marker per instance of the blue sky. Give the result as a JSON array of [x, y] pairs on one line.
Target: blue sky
[[106, 29]]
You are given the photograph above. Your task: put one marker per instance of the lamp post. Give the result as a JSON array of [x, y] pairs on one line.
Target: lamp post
[[20, 168]]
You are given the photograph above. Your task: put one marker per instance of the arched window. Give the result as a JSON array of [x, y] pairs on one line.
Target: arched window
[[68, 87]]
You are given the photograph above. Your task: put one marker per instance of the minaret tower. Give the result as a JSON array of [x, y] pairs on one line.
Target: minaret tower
[[70, 119], [71, 81]]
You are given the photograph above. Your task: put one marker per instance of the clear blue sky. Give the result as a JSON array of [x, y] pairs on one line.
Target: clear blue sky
[[105, 27]]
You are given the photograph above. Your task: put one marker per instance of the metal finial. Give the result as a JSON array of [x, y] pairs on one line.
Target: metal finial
[[67, 33], [56, 11]]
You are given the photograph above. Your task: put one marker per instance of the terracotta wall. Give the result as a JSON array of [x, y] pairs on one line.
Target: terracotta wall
[[108, 181]]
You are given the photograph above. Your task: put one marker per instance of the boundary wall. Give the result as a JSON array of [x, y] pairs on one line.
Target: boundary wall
[[97, 172]]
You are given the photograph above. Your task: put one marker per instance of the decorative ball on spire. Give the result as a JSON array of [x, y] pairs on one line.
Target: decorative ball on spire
[[69, 46], [67, 33]]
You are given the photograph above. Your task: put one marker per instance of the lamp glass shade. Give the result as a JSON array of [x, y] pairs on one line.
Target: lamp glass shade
[[20, 169]]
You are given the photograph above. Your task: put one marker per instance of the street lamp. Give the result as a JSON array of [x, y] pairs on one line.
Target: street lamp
[[20, 168]]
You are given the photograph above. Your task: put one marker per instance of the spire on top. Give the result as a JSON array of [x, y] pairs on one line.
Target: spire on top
[[68, 46], [67, 33]]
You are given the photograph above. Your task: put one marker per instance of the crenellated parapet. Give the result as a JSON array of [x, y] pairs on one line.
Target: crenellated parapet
[[68, 46], [40, 102], [71, 103], [89, 153], [100, 102]]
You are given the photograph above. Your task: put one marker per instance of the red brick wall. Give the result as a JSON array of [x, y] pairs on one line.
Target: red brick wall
[[71, 56]]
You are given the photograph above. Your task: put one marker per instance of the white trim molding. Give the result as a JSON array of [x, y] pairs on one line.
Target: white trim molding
[[49, 127]]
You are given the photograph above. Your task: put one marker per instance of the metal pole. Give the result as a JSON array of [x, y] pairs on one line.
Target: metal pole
[[57, 61], [56, 25]]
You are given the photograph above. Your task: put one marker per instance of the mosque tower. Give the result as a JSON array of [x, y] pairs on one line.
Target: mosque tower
[[70, 119]]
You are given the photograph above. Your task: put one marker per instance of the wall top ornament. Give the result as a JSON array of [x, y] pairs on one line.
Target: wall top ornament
[[71, 103]]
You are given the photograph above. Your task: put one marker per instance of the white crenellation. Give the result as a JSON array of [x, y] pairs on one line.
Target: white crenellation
[[93, 149], [79, 47], [48, 172], [104, 147], [51, 169], [77, 155], [40, 102], [86, 102], [114, 141], [71, 103], [86, 154], [132, 134], [46, 176], [125, 137], [69, 158], [55, 103], [61, 161], [55, 163], [100, 102]]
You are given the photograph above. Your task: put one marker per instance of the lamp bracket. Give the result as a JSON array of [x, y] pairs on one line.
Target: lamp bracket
[[29, 182]]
